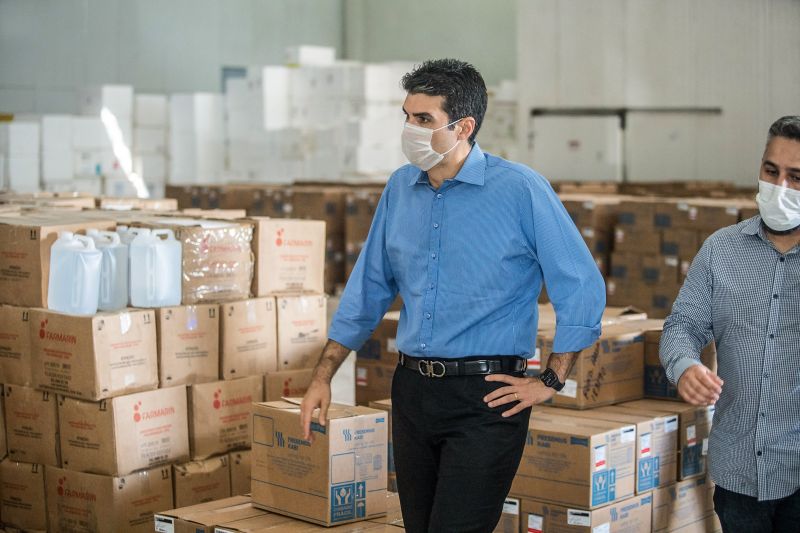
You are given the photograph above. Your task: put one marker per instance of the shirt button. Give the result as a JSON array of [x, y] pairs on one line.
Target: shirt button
[[775, 296], [435, 225], [431, 285], [428, 316], [423, 345], [766, 376], [783, 259], [758, 453], [433, 255], [771, 336], [763, 415], [439, 195]]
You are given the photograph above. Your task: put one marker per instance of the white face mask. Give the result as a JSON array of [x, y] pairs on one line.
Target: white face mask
[[417, 147], [779, 206]]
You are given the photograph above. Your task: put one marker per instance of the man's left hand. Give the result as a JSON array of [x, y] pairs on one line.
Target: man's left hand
[[524, 391]]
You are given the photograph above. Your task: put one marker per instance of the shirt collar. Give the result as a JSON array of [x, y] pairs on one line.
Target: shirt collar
[[473, 170], [753, 226]]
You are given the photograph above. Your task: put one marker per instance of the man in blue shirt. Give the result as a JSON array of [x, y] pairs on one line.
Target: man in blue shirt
[[467, 239]]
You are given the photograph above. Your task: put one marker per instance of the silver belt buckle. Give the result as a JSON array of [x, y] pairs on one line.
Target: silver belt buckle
[[428, 369]]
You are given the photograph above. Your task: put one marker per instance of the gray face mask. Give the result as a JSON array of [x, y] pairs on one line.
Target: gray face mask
[[416, 142]]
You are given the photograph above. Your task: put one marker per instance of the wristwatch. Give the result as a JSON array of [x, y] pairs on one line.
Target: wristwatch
[[550, 379]]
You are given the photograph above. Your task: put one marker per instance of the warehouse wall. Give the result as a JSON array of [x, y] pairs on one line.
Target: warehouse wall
[[740, 55], [48, 48], [478, 31]]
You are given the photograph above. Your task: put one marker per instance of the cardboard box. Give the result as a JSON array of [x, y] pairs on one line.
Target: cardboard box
[[78, 501], [202, 481], [118, 436], [188, 344], [15, 345], [343, 473], [510, 519], [249, 339], [660, 270], [3, 435], [656, 384], [636, 240], [694, 426], [240, 471], [290, 256], [202, 518], [631, 515], [219, 415], [217, 262], [22, 503], [647, 213], [302, 330], [360, 208], [32, 426], [706, 213], [25, 253], [287, 384], [576, 462], [608, 372], [685, 507], [386, 405], [94, 357], [656, 442], [373, 382], [381, 347], [680, 242], [268, 522]]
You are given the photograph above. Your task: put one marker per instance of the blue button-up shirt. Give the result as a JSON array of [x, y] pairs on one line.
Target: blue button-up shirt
[[468, 260], [744, 295]]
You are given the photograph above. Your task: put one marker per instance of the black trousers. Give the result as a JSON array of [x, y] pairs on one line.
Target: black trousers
[[739, 513], [455, 457]]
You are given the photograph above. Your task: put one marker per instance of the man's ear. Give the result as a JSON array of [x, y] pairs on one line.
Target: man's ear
[[467, 127]]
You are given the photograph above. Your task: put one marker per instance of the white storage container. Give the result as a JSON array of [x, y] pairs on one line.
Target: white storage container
[[74, 283]]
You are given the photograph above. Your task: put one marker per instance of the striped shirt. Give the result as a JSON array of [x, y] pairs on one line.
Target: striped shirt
[[745, 295], [468, 260]]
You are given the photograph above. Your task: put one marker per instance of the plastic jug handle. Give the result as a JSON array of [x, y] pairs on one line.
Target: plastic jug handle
[[113, 235], [151, 273], [88, 242]]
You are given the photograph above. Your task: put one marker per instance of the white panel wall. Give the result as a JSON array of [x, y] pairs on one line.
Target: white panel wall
[[479, 31], [740, 55], [49, 48]]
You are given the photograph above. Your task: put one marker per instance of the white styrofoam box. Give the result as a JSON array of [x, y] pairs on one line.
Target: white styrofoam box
[[380, 110], [343, 384], [20, 173], [149, 140], [238, 95], [372, 159], [18, 138], [119, 187], [151, 167], [57, 165], [273, 85], [506, 91], [116, 98], [382, 131], [241, 125], [310, 55], [150, 110], [198, 113], [194, 159], [90, 133], [380, 82], [88, 162], [577, 148], [56, 133]]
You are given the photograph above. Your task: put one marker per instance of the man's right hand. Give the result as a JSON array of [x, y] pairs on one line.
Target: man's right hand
[[699, 386], [317, 395]]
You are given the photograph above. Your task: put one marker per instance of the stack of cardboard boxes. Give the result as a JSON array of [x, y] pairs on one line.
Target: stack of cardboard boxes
[[116, 416]]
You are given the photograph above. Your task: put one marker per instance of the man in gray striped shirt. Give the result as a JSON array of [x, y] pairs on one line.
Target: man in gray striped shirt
[[743, 292]]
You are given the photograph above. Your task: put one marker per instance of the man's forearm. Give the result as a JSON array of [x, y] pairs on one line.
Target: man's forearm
[[333, 355], [561, 364]]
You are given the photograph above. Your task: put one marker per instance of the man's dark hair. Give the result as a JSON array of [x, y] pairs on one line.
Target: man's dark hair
[[787, 127], [458, 82]]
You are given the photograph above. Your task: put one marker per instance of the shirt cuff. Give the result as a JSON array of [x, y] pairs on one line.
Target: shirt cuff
[[681, 365], [574, 338], [352, 341]]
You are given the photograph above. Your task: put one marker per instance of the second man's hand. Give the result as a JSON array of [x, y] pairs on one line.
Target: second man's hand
[[318, 394]]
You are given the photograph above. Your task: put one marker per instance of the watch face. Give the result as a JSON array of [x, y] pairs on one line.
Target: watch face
[[549, 377]]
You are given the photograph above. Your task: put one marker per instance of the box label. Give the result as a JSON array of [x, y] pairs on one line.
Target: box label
[[570, 389], [691, 435], [577, 517], [511, 506], [348, 501], [671, 424], [600, 462], [649, 474], [164, 524], [604, 487], [535, 523], [644, 446], [602, 528], [691, 461]]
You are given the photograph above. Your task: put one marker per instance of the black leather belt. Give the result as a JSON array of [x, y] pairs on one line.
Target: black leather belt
[[470, 366]]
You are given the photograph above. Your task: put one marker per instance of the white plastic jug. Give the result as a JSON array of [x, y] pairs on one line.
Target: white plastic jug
[[74, 283], [155, 269], [113, 270]]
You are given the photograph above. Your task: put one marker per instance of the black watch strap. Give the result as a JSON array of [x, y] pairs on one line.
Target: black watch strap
[[550, 379]]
